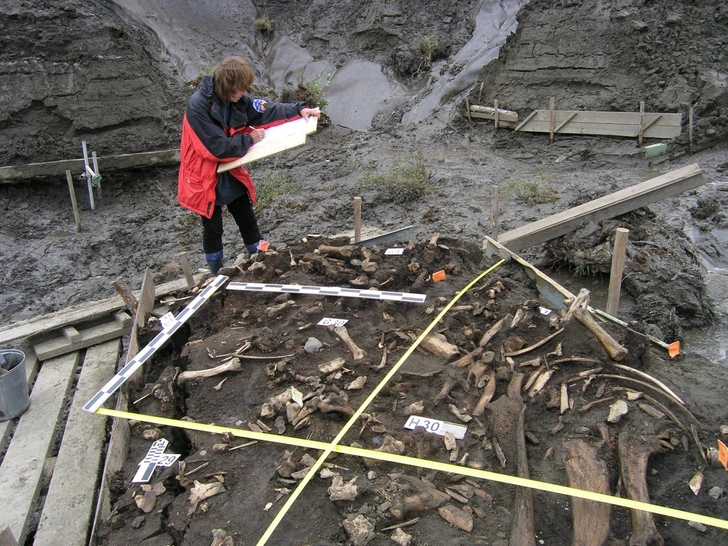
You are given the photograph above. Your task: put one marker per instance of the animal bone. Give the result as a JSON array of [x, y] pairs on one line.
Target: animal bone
[[486, 397], [439, 346], [493, 330], [634, 452], [344, 336], [232, 366]]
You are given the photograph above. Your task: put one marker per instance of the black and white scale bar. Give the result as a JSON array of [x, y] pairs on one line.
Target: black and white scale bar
[[162, 337], [327, 291]]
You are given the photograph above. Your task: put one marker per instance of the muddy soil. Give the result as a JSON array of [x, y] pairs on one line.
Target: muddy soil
[[272, 334]]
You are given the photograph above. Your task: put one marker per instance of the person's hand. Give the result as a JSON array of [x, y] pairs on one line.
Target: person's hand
[[257, 135], [308, 112]]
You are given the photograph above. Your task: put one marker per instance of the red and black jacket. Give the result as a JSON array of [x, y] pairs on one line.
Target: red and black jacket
[[207, 141]]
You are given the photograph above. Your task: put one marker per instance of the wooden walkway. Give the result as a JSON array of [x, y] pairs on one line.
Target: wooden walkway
[[52, 456]]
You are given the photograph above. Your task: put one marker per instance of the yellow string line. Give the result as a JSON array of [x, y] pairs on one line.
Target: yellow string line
[[423, 463]]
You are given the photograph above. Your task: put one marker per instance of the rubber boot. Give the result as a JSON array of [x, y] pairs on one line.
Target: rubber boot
[[214, 261], [253, 249]]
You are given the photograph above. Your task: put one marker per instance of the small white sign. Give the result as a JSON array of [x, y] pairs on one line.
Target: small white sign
[[336, 322], [435, 426], [544, 311], [394, 251], [167, 319]]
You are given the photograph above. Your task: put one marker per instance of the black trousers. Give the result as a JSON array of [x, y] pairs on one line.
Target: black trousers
[[242, 212]]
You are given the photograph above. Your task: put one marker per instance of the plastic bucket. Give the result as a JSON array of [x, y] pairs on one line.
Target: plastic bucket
[[14, 398]]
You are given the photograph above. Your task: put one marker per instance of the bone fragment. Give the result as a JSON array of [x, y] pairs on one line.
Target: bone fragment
[[467, 359], [357, 384], [634, 452], [464, 417], [535, 345], [415, 408], [587, 471], [660, 384], [457, 517], [517, 318], [232, 366], [344, 336], [425, 497], [486, 397], [340, 490], [616, 351], [438, 345], [540, 383], [492, 331], [221, 538], [346, 251], [332, 366], [564, 401]]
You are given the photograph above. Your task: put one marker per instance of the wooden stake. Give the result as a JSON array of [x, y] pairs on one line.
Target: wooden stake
[[642, 123], [691, 118], [615, 276], [467, 108], [494, 217], [495, 106], [357, 219], [186, 268], [6, 536], [552, 119], [74, 204]]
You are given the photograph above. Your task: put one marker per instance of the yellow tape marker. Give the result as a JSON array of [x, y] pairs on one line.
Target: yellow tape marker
[[426, 464]]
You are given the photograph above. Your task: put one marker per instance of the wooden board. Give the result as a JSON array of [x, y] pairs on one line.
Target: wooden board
[[13, 173], [21, 469], [625, 124], [79, 313], [609, 206], [73, 485], [277, 139], [117, 326]]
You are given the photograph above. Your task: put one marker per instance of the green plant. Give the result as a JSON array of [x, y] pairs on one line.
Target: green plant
[[407, 181], [263, 25], [276, 185], [429, 45], [531, 192]]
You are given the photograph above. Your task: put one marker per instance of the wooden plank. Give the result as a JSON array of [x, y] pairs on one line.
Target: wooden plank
[[626, 124], [88, 337], [501, 122], [277, 139], [7, 427], [21, 469], [83, 312], [609, 206], [73, 485], [14, 173], [488, 112]]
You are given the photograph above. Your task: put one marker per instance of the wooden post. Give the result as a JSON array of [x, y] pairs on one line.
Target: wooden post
[[642, 123], [480, 93], [357, 219], [186, 268], [691, 114], [494, 217], [552, 119], [615, 276], [467, 108], [495, 106], [6, 536], [74, 204]]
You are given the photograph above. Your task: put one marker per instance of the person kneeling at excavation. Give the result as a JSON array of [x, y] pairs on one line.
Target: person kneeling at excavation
[[221, 123]]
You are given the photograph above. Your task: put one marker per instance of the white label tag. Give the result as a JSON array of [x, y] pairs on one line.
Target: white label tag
[[435, 426], [394, 251], [167, 319], [544, 311], [337, 322]]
